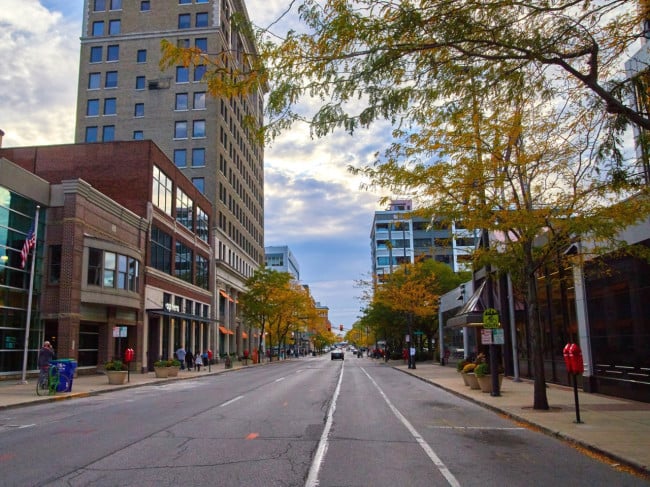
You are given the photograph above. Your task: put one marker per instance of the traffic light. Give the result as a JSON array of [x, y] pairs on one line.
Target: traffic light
[[341, 327]]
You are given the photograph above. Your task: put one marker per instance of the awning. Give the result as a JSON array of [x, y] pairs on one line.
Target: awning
[[225, 295], [178, 314], [244, 335], [225, 330], [471, 314]]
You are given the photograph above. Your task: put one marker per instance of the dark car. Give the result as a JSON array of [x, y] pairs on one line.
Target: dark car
[[337, 354]]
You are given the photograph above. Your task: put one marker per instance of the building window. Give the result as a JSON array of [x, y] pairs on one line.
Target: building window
[[184, 2], [199, 183], [111, 79], [113, 53], [198, 129], [96, 54], [114, 27], [180, 130], [92, 108], [184, 209], [201, 43], [202, 278], [94, 81], [184, 21], [182, 74], [184, 260], [199, 72], [202, 19], [199, 100], [111, 270], [183, 43], [110, 106], [139, 82], [116, 4], [161, 250], [181, 101], [202, 224], [142, 56], [108, 133], [145, 6], [162, 191], [91, 134], [198, 157], [99, 5], [138, 110], [138, 135], [98, 28], [180, 157], [202, 1], [54, 264]]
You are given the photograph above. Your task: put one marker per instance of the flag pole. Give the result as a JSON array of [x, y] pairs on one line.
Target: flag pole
[[29, 299]]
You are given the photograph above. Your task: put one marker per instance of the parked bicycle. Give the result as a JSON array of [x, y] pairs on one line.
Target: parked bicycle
[[50, 379]]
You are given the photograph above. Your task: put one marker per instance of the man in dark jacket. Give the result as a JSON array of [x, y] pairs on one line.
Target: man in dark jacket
[[45, 354]]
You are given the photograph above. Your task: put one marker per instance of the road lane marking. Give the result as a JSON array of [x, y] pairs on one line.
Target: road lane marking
[[252, 436], [280, 379], [234, 399], [442, 468], [317, 462]]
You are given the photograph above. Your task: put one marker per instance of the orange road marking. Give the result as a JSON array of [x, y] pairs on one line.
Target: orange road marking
[[252, 436]]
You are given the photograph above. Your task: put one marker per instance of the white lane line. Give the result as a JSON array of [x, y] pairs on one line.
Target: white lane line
[[423, 444], [280, 379], [317, 462], [234, 399]]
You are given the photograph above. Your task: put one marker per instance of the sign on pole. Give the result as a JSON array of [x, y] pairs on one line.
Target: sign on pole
[[491, 318]]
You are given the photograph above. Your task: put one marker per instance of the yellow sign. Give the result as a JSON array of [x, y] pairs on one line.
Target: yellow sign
[[491, 318]]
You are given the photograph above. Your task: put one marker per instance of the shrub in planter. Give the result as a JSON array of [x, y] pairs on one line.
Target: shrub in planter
[[461, 365], [114, 365], [482, 369]]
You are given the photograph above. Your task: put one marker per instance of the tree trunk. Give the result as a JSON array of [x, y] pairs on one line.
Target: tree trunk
[[540, 400]]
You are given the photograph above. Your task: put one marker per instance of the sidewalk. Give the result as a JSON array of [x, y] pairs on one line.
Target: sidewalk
[[617, 428]]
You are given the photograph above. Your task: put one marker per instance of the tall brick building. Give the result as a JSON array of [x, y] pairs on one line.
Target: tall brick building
[[123, 95]]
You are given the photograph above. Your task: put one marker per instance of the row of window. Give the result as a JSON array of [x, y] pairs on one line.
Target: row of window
[[200, 20], [181, 127], [186, 266], [112, 270], [112, 53], [188, 214], [197, 154], [145, 5], [99, 28]]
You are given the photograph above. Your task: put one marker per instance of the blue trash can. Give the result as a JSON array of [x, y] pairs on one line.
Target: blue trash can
[[66, 367]]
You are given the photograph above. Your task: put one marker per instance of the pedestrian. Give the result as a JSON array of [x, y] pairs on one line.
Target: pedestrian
[[180, 355], [198, 361], [189, 360], [45, 355], [204, 356]]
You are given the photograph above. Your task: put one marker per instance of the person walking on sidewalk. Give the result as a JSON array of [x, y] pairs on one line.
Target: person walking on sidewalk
[[198, 361], [180, 355], [189, 360]]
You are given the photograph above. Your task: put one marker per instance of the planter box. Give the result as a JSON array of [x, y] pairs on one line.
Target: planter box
[[464, 376], [161, 372], [116, 377], [173, 371], [485, 382], [472, 380]]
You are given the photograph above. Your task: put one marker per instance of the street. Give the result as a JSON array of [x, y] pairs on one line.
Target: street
[[304, 422]]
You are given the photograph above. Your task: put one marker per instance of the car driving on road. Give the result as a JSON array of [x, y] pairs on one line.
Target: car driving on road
[[337, 353]]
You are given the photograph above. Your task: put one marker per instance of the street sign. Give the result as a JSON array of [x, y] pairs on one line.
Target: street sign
[[418, 332], [486, 337], [498, 337], [491, 318]]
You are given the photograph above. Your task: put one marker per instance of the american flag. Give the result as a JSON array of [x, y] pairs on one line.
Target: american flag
[[30, 242]]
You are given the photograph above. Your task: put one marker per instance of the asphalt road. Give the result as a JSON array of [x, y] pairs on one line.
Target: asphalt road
[[309, 422]]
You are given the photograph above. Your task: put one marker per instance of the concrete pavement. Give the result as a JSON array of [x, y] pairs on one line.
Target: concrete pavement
[[616, 430]]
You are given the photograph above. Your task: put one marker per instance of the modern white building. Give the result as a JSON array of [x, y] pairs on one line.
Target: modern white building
[[398, 236], [281, 259]]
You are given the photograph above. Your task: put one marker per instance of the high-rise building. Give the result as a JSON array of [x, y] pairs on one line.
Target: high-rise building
[[281, 259], [399, 236], [123, 94]]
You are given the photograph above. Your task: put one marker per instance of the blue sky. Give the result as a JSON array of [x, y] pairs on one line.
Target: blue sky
[[312, 204]]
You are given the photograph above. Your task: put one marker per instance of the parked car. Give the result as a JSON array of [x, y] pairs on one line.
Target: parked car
[[337, 354]]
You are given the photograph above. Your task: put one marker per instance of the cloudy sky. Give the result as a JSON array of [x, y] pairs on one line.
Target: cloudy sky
[[312, 204]]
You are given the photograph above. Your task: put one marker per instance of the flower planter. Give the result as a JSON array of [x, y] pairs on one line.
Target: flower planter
[[116, 377], [464, 376], [472, 380], [173, 371], [485, 382], [161, 372]]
